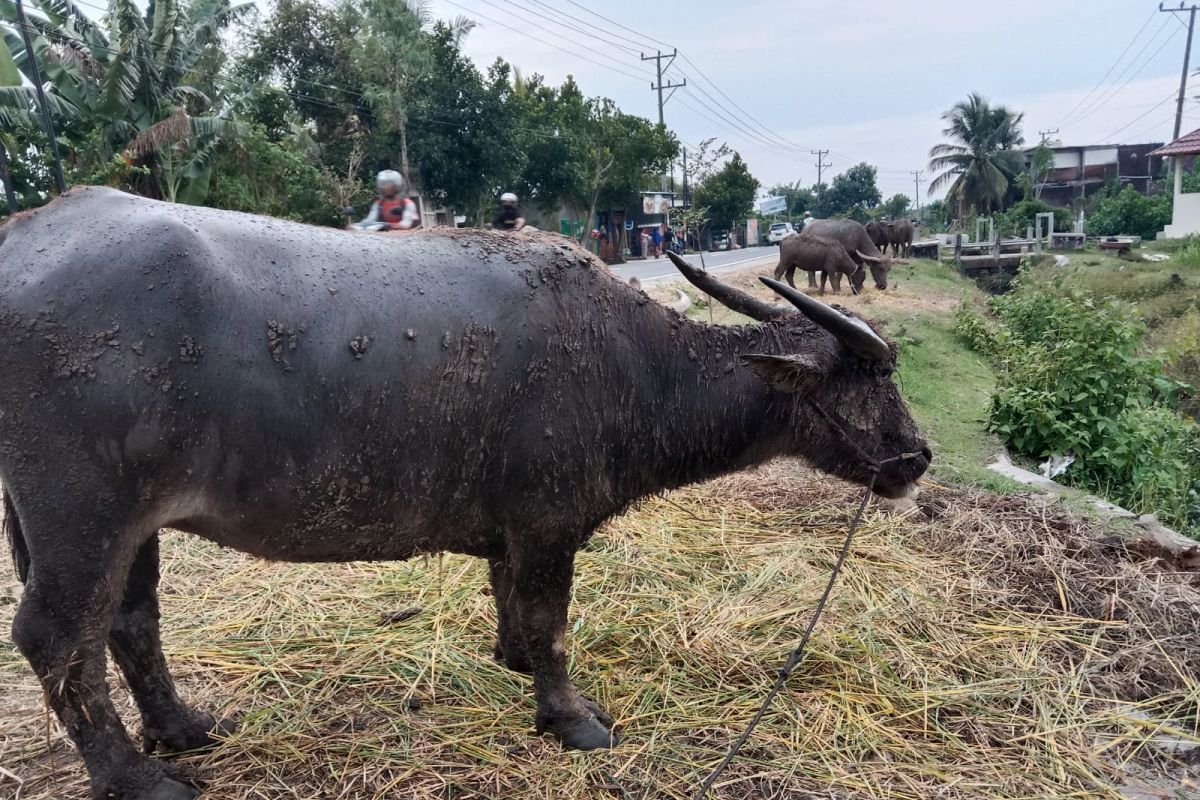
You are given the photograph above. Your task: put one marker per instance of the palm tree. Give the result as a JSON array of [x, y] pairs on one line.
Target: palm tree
[[982, 159]]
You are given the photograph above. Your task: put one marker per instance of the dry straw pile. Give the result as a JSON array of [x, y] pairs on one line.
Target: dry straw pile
[[997, 650]]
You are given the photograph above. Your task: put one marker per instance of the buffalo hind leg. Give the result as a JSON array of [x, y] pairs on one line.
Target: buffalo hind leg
[[542, 582], [61, 626], [510, 641], [168, 724]]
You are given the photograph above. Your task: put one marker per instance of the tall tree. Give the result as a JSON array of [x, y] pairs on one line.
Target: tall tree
[[982, 159], [896, 206], [852, 193], [393, 55], [728, 193]]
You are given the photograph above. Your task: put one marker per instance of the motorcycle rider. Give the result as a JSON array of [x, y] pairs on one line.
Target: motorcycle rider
[[392, 208], [509, 218]]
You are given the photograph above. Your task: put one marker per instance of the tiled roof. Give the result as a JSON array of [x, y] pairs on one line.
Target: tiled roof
[[1186, 145]]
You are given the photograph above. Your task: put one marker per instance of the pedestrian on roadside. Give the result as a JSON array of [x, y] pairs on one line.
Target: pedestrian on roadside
[[656, 239]]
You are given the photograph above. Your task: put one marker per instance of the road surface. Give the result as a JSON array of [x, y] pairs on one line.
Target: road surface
[[661, 269]]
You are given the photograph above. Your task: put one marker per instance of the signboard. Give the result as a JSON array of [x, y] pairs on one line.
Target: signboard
[[628, 224], [657, 202], [772, 205]]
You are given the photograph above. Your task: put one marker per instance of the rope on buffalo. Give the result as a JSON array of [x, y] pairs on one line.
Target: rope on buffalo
[[797, 654]]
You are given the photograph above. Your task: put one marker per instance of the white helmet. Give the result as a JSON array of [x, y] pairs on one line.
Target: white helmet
[[508, 197], [389, 176]]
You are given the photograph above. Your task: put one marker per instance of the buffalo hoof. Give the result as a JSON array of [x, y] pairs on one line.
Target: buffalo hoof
[[169, 789], [592, 730], [192, 731]]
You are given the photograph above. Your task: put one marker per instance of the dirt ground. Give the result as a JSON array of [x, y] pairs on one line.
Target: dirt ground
[[989, 647]]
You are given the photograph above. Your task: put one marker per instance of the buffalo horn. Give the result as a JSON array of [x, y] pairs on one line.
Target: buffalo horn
[[854, 333], [866, 257], [732, 298]]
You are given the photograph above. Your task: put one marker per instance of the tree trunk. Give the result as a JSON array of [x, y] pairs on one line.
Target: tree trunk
[[403, 128], [618, 221], [10, 194]]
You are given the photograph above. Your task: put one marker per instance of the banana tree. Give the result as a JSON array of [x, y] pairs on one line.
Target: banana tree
[[138, 93]]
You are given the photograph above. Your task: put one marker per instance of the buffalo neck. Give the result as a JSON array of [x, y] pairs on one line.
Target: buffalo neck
[[712, 414]]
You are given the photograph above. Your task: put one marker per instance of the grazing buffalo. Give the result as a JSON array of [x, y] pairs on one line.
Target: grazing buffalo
[[818, 254], [854, 237], [305, 394]]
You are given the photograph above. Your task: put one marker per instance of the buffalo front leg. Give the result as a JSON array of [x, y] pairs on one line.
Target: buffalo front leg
[[61, 626], [510, 641], [168, 724], [812, 280], [542, 582]]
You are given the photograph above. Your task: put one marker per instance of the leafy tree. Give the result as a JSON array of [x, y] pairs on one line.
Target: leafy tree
[[981, 161], [143, 89], [1126, 211], [262, 175], [729, 193], [472, 151], [1040, 164], [852, 193], [896, 207]]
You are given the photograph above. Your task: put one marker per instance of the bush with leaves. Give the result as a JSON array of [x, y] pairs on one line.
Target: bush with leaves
[[1071, 379], [1127, 212], [1023, 215]]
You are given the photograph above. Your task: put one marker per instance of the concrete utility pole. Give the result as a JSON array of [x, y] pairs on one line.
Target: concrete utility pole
[[821, 165], [1187, 54], [1047, 134], [23, 24], [657, 58], [685, 192], [917, 181]]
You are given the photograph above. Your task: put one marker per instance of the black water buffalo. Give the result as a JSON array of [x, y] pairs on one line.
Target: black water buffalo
[[305, 394], [879, 234], [818, 254], [900, 236], [853, 236]]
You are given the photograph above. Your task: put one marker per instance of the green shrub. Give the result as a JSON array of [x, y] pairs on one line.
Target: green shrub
[[1126, 212], [1023, 215], [1071, 379]]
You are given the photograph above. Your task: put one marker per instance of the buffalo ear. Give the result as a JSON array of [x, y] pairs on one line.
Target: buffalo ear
[[792, 374]]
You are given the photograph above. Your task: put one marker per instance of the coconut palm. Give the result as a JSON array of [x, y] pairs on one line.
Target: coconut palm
[[982, 160]]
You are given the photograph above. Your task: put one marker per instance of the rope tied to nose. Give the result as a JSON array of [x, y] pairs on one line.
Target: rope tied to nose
[[794, 658]]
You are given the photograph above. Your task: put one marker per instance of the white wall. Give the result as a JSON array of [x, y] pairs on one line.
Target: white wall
[[1186, 219], [1106, 156]]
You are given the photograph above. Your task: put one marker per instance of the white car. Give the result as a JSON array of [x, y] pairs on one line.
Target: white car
[[778, 231]]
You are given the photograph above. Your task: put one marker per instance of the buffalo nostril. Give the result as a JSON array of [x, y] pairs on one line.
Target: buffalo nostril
[[925, 451]]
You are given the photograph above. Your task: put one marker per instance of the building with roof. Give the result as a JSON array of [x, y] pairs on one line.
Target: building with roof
[[1081, 171], [1185, 218]]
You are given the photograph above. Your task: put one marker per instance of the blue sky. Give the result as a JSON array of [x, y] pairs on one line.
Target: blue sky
[[866, 80]]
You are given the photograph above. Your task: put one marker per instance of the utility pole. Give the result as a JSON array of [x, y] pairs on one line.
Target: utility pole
[[917, 181], [1187, 54], [685, 191], [821, 164], [23, 24], [657, 58], [1047, 134]]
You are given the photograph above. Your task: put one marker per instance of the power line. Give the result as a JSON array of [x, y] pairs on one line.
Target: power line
[[548, 44], [534, 23], [1100, 83], [1141, 116], [1187, 54], [1112, 92]]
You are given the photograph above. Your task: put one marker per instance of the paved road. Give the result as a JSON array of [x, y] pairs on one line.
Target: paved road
[[660, 269]]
